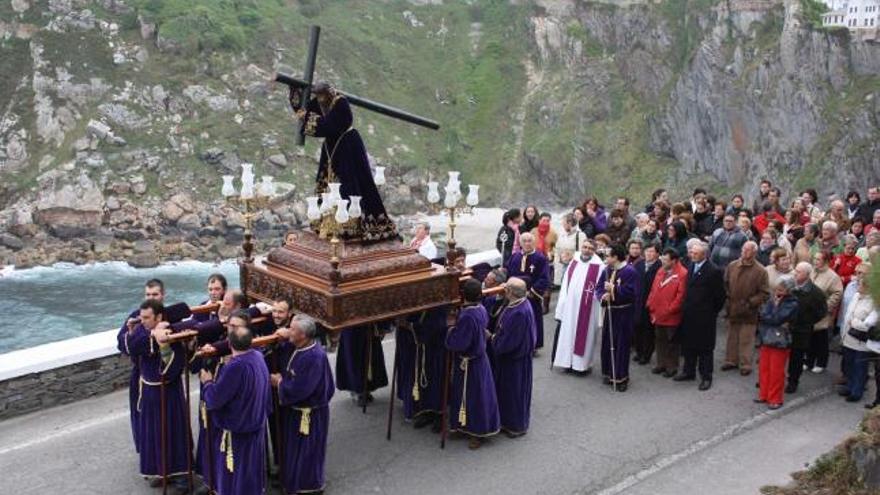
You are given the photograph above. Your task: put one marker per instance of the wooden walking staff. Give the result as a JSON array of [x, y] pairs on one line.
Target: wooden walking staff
[[163, 430], [189, 444], [444, 404], [393, 387], [276, 398]]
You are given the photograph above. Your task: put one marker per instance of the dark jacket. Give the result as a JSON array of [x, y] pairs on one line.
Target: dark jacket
[[812, 308], [777, 316], [703, 300], [647, 274], [868, 209]]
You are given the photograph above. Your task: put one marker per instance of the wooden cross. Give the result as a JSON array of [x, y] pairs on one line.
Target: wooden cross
[[305, 85]]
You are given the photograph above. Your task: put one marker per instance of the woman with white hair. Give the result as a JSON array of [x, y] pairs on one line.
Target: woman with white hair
[[861, 315], [774, 334]]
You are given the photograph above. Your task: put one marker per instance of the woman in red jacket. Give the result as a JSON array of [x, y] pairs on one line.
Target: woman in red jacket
[[665, 307], [845, 263]]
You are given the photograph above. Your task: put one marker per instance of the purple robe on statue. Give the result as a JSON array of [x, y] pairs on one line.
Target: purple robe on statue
[[421, 357], [157, 363], [238, 403], [343, 153], [305, 392], [513, 344], [134, 377], [473, 405], [533, 269], [350, 363], [619, 320]]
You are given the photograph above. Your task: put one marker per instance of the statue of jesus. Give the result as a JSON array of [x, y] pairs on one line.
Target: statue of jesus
[[344, 160]]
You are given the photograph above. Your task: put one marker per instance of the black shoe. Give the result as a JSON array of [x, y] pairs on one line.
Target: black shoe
[[872, 405], [644, 361], [852, 398], [637, 358], [759, 401], [728, 367], [843, 392], [606, 381], [423, 421], [657, 370], [669, 374], [681, 377], [705, 385], [791, 388], [621, 387]]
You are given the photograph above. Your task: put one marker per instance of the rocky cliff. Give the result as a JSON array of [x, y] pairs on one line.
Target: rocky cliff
[[117, 117]]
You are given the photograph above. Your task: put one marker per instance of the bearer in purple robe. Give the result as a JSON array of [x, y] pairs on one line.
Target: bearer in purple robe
[[154, 289], [211, 338], [239, 402], [344, 159], [421, 357], [159, 363], [513, 344], [618, 290], [305, 388], [530, 266], [473, 405], [355, 345]]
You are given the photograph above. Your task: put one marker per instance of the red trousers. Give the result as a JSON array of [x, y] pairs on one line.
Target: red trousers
[[771, 374]]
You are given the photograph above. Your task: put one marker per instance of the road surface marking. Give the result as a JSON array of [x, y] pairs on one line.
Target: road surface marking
[[706, 443]]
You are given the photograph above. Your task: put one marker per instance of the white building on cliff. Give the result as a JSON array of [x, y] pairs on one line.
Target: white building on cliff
[[852, 14]]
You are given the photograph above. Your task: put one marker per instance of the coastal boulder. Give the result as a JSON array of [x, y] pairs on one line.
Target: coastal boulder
[[72, 210]]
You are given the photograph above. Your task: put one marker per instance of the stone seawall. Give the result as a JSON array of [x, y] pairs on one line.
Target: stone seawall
[[62, 385]]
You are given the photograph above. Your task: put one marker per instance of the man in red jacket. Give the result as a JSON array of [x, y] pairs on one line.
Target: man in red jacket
[[767, 216], [665, 306]]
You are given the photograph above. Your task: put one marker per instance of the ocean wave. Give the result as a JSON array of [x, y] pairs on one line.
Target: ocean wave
[[111, 268]]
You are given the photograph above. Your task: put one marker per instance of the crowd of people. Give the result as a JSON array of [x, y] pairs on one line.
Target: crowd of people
[[638, 288], [788, 279]]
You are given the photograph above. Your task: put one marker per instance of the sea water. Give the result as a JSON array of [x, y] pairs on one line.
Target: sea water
[[46, 304]]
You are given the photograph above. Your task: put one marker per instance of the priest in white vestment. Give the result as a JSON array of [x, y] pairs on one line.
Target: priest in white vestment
[[578, 311]]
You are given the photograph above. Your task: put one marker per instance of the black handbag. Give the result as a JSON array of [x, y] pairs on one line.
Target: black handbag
[[857, 334], [777, 337]]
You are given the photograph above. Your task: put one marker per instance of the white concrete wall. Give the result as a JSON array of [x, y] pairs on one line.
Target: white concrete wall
[[102, 344]]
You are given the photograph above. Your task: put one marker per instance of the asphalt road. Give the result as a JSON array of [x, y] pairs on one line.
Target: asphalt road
[[659, 437]]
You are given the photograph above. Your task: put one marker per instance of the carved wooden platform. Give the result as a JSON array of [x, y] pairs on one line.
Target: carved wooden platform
[[375, 282]]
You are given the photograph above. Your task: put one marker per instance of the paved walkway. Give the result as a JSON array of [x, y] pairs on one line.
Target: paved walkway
[[659, 437]]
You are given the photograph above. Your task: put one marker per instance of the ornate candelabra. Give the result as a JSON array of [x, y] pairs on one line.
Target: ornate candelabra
[[333, 214], [249, 201], [451, 204]]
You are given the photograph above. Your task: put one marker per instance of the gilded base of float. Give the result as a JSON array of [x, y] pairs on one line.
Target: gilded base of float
[[372, 283]]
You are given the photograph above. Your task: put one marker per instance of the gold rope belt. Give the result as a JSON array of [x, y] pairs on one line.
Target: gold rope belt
[[305, 419], [226, 446], [141, 383], [462, 410]]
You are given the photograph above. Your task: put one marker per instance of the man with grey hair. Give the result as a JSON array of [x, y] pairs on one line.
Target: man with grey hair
[[422, 240], [531, 266], [305, 387], [745, 282], [578, 313], [704, 298], [494, 303], [512, 344], [811, 309]]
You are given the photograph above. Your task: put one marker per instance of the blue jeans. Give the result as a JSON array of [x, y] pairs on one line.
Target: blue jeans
[[856, 371]]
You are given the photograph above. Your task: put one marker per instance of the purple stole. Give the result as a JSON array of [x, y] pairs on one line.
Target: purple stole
[[583, 324]]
